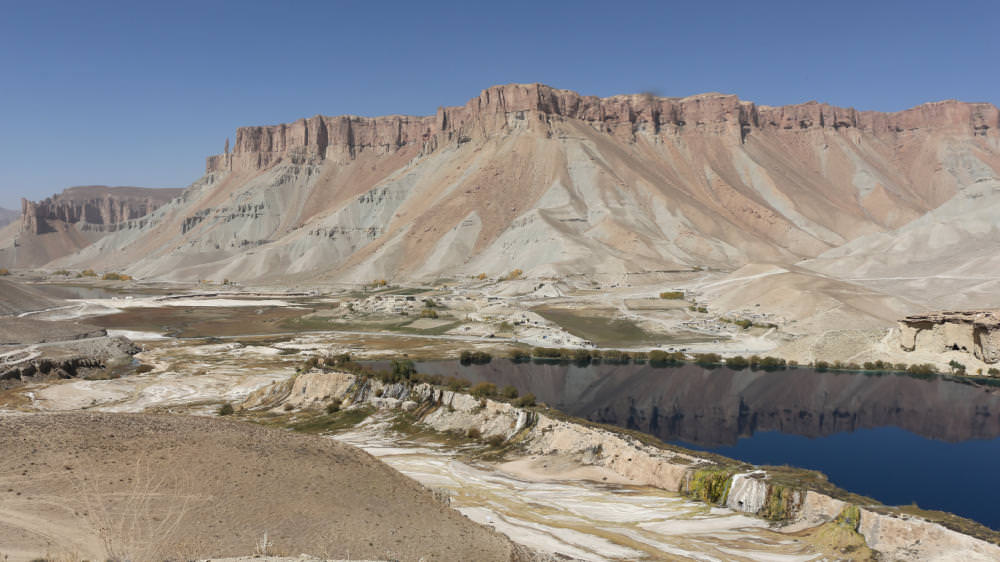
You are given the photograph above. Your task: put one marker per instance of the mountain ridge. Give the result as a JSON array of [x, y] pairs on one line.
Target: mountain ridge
[[554, 183]]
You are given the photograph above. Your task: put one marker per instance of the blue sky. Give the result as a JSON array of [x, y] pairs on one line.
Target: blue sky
[[138, 93]]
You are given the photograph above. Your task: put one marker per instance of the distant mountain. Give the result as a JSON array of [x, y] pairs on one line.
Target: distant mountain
[[70, 221], [554, 183]]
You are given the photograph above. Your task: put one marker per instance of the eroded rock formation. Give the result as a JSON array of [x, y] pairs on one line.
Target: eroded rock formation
[[535, 105], [630, 183], [972, 332], [96, 206]]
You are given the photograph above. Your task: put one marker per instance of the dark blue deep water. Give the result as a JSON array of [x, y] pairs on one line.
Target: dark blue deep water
[[895, 438]]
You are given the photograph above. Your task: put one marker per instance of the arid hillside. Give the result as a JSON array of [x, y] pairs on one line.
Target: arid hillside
[[145, 487], [553, 182]]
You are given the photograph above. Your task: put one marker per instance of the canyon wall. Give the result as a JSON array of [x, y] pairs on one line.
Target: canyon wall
[[98, 207], [622, 116]]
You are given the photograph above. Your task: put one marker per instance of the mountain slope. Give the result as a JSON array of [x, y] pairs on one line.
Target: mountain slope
[[72, 220], [551, 182], [8, 216]]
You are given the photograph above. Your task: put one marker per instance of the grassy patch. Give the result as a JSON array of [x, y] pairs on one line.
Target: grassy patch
[[601, 327], [328, 423]]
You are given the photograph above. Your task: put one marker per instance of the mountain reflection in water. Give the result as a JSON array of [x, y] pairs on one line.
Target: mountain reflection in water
[[716, 407], [891, 437]]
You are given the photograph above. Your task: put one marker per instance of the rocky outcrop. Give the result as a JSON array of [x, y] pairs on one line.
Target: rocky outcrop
[[93, 207], [752, 491], [973, 332], [509, 106]]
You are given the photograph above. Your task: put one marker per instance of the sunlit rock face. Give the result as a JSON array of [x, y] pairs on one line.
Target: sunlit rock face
[[977, 333], [72, 220], [553, 182]]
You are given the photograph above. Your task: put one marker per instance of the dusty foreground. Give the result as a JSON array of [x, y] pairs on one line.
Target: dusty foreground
[[144, 487]]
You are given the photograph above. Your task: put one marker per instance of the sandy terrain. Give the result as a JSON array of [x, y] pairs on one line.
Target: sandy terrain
[[146, 487]]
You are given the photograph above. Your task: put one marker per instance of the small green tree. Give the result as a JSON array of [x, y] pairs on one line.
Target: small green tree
[[484, 390]]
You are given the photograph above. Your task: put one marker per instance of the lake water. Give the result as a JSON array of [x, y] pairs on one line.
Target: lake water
[[895, 438]]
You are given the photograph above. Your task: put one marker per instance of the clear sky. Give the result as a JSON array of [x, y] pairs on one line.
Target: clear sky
[[138, 93]]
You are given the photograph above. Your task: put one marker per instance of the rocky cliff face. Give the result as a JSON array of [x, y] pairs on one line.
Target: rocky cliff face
[[622, 117], [74, 219], [96, 206], [977, 333], [592, 185]]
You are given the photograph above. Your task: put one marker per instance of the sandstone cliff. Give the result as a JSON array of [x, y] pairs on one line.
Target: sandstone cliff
[[96, 206], [622, 117], [554, 183], [69, 221]]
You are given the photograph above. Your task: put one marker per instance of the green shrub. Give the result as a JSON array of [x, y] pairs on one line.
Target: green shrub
[[509, 392], [737, 362], [821, 366], [672, 295], [956, 367], [660, 358], [583, 357], [403, 369], [772, 363], [456, 384], [525, 401], [225, 410], [468, 357], [495, 441], [707, 359], [520, 356], [923, 369], [332, 408], [484, 390], [428, 313], [615, 357], [993, 372]]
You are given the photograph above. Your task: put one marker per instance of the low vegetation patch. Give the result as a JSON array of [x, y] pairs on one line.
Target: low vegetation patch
[[333, 421]]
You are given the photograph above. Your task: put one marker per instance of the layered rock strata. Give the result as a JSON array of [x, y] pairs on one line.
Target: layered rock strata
[[972, 332], [97, 207], [500, 108]]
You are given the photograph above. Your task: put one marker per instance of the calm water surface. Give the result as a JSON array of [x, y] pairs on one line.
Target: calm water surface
[[895, 438]]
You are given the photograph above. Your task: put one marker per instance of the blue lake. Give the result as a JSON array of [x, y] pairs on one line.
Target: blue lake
[[894, 438]]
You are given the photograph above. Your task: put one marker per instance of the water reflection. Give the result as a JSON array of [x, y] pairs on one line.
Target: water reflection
[[716, 407]]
